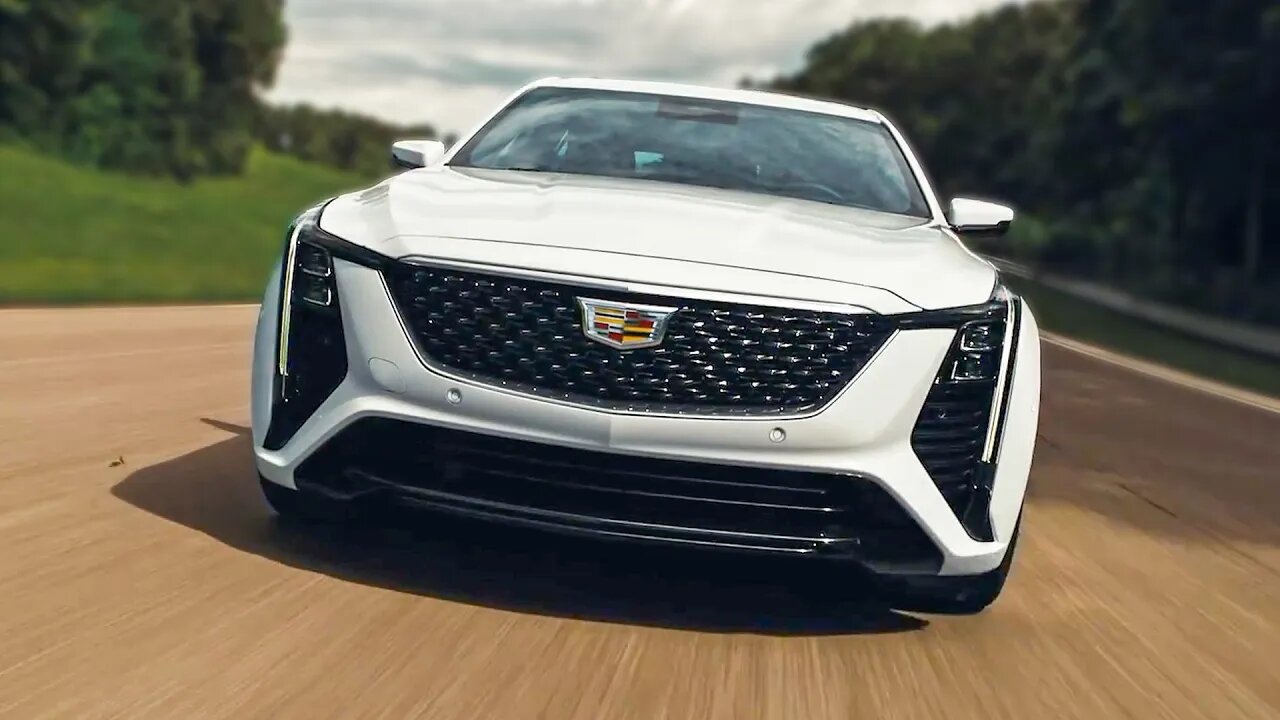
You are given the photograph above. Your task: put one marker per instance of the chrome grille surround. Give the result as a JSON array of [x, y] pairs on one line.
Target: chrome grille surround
[[718, 358]]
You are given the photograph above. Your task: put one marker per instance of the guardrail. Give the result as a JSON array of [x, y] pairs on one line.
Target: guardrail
[[1240, 336]]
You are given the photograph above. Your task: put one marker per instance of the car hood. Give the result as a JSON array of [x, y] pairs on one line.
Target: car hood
[[666, 234]]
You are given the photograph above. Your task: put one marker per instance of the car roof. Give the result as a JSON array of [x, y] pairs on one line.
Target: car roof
[[750, 97]]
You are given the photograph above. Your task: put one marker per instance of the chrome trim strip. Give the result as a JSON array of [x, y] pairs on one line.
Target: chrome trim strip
[[517, 520], [997, 402], [286, 307], [438, 369], [638, 288], [439, 495]]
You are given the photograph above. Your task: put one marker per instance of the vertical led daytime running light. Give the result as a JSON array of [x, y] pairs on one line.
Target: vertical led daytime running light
[[1002, 377], [311, 357], [286, 303]]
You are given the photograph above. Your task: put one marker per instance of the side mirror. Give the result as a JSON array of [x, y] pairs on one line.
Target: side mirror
[[979, 216], [416, 153]]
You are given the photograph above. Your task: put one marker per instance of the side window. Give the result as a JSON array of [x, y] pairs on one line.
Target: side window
[[644, 158]]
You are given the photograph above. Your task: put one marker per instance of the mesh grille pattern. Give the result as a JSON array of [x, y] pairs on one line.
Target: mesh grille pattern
[[717, 358]]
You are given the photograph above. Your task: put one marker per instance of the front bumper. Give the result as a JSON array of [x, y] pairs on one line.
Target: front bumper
[[864, 436], [604, 494]]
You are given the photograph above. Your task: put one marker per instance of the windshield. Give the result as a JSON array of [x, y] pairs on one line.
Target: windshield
[[791, 153]]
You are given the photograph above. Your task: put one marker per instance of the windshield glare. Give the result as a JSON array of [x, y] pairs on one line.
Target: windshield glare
[[790, 153]]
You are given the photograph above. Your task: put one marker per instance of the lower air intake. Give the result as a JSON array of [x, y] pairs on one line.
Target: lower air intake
[[951, 433], [641, 498]]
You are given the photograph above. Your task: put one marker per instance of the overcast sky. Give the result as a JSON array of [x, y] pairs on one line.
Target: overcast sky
[[448, 62]]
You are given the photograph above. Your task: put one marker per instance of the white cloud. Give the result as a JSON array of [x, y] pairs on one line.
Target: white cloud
[[449, 62]]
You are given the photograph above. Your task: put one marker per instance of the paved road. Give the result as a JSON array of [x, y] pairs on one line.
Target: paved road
[[1148, 584]]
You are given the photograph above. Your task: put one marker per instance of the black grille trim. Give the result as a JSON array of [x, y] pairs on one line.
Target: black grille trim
[[610, 495], [950, 434], [718, 358]]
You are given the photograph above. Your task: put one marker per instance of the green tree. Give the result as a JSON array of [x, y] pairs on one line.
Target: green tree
[[970, 95], [1136, 135], [155, 87], [333, 137], [41, 57], [1170, 127]]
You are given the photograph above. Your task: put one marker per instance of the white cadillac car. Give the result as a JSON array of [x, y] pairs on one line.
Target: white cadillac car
[[659, 313]]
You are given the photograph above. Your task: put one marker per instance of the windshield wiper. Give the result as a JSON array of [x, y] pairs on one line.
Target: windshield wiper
[[520, 168]]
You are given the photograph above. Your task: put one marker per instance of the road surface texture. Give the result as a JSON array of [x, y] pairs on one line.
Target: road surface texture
[[141, 576]]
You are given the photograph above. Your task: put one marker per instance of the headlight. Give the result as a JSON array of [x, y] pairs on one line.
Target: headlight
[[312, 349], [315, 290], [978, 351], [976, 355], [974, 367], [990, 313], [314, 260], [956, 435], [980, 336]]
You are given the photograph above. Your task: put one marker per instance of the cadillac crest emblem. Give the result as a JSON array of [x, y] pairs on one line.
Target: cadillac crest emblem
[[623, 325]]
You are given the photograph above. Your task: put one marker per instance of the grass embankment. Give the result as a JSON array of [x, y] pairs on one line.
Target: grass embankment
[[70, 234], [1074, 318]]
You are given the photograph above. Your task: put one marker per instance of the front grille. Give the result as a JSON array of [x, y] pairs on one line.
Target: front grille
[[949, 439], [614, 495], [717, 358]]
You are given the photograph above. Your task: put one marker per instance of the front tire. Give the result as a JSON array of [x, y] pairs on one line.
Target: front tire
[[957, 595]]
